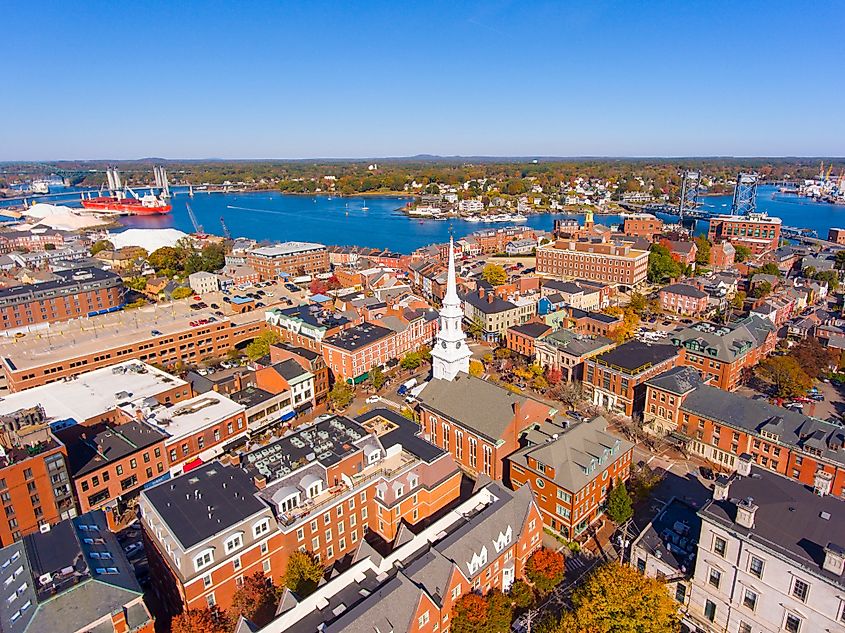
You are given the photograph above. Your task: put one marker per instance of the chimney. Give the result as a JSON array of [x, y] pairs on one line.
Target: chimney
[[721, 488], [481, 293], [744, 467], [490, 298], [834, 559], [822, 482], [745, 511], [119, 620]]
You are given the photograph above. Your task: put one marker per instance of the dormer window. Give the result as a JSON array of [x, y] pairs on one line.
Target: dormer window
[[236, 541], [203, 559], [260, 528]]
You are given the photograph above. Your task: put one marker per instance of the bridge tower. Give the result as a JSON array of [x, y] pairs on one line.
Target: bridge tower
[[745, 194], [689, 193]]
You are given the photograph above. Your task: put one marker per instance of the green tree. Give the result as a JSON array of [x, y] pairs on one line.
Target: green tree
[[303, 573], [499, 611], [260, 345], [475, 329], [829, 276], [494, 274], [619, 507], [377, 377], [761, 289], [702, 256], [742, 253], [618, 599], [639, 303], [101, 245], [545, 569], [411, 360], [840, 260], [181, 292], [738, 300], [661, 266], [341, 395], [786, 375], [522, 594], [769, 269]]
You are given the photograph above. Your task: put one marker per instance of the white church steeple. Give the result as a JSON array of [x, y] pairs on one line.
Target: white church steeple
[[450, 353]]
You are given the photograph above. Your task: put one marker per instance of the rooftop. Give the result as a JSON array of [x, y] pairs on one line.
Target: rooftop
[[183, 503], [89, 449], [724, 342], [358, 336], [94, 392], [634, 357], [66, 278], [678, 380], [790, 520], [489, 303], [195, 414], [571, 342], [531, 329], [287, 248], [685, 290], [673, 536]]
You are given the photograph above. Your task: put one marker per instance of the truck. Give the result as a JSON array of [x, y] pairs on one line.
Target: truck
[[413, 393], [408, 384]]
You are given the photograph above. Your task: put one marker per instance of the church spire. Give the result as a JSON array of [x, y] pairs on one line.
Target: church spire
[[451, 297], [450, 354]]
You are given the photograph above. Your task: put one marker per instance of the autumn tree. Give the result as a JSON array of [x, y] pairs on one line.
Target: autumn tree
[[553, 375], [618, 599], [499, 611], [630, 322], [469, 614], [377, 377], [522, 594], [545, 569], [341, 395], [702, 255], [181, 293], [205, 620], [318, 287], [619, 507], [813, 357], [255, 600], [260, 345], [742, 253], [303, 573], [101, 245], [494, 274], [570, 393], [786, 375], [475, 368]]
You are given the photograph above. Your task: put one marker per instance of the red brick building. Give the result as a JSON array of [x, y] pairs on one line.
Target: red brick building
[[308, 360], [352, 353], [682, 299], [642, 225], [476, 421], [683, 252], [836, 235], [521, 338], [571, 470], [75, 294], [606, 262], [289, 258], [758, 232], [722, 256]]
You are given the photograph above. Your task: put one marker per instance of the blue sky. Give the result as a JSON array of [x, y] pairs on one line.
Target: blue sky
[[364, 79]]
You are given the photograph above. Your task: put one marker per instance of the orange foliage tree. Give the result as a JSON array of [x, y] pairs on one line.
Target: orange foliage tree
[[205, 620], [545, 569]]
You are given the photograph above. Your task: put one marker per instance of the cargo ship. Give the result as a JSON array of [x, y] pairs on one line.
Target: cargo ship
[[120, 203]]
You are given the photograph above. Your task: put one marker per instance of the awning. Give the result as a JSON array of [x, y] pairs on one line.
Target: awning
[[290, 415], [189, 466]]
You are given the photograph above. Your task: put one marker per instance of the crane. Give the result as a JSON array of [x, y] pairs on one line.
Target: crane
[[226, 232], [197, 226]]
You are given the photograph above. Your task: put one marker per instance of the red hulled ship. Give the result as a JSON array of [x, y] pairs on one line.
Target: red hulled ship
[[119, 202]]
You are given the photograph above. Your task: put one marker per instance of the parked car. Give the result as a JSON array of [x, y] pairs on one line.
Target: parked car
[[227, 300], [155, 333], [214, 306], [372, 399], [134, 548], [197, 298], [707, 473]]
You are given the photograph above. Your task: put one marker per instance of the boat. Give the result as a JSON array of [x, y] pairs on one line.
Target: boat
[[39, 186], [122, 204]]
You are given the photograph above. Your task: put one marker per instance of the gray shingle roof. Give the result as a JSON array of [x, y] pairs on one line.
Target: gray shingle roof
[[678, 380], [684, 289], [725, 343]]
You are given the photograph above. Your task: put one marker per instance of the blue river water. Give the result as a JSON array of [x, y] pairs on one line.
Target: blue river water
[[377, 221]]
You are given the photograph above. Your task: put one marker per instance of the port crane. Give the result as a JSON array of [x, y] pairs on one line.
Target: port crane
[[197, 226], [226, 233]]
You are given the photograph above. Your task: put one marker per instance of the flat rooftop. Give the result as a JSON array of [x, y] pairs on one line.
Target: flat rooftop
[[193, 415], [93, 392], [287, 248], [89, 450], [358, 336]]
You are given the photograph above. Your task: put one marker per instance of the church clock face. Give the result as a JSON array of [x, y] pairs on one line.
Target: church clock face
[[444, 344], [458, 345]]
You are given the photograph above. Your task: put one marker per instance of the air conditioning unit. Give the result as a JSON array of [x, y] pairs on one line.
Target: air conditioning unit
[[44, 528]]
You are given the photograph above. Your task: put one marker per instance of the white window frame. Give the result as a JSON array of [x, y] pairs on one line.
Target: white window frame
[[234, 542], [199, 560], [259, 528]]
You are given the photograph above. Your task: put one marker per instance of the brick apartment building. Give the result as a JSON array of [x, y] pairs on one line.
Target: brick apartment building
[[481, 545], [722, 256], [682, 299], [642, 225], [33, 366], [309, 360], [720, 426], [522, 338], [759, 232], [837, 236], [570, 470], [289, 258], [606, 262], [478, 422], [321, 489], [616, 379], [726, 353], [76, 293], [352, 353], [307, 326]]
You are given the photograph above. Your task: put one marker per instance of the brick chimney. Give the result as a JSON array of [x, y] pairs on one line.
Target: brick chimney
[[834, 559], [118, 621], [745, 511]]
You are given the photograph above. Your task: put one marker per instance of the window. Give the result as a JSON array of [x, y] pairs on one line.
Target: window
[[715, 577], [423, 619], [710, 610], [264, 547], [234, 542], [456, 592], [744, 627], [720, 546], [680, 592], [266, 566], [755, 566], [792, 623], [204, 559], [749, 600], [209, 599], [800, 589], [206, 581], [262, 527]]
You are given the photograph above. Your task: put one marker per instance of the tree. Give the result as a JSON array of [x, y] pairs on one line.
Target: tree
[[761, 289], [702, 256], [255, 600], [545, 569], [475, 329], [625, 330], [181, 293], [469, 614], [475, 368], [769, 269], [260, 345], [499, 611], [377, 377], [742, 253], [839, 263], [618, 599], [738, 300], [303, 573], [661, 266], [205, 620], [639, 303], [318, 287], [494, 274], [522, 594], [539, 383], [411, 360], [831, 277], [786, 375], [619, 507], [570, 393], [553, 375], [813, 357], [101, 245], [341, 395]]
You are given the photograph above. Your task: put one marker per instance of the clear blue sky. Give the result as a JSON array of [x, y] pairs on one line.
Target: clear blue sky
[[182, 79]]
